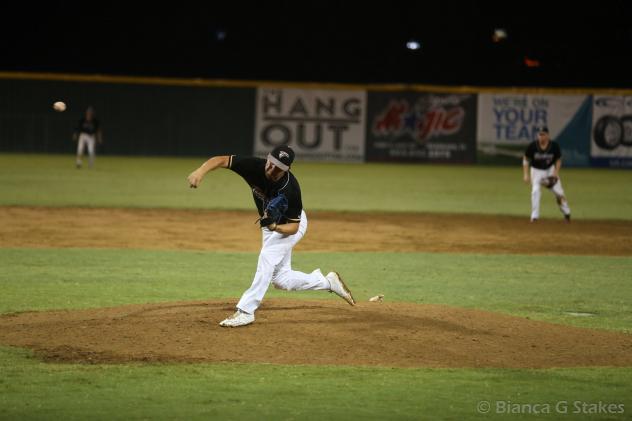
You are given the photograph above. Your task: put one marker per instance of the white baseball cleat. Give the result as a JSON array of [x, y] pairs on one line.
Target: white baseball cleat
[[337, 286], [238, 319]]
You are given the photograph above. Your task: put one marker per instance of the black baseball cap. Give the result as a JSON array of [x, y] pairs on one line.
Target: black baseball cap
[[543, 129], [282, 157]]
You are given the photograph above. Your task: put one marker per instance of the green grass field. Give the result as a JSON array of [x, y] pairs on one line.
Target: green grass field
[[40, 180], [41, 279], [539, 287]]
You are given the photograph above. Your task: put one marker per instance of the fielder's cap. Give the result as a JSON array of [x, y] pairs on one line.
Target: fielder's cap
[[543, 129], [282, 157]]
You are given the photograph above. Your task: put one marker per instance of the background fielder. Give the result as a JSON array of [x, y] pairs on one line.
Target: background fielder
[[87, 134], [268, 178], [544, 156]]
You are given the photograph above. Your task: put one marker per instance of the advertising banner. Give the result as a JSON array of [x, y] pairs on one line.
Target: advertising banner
[[611, 141], [324, 125], [421, 127], [507, 123]]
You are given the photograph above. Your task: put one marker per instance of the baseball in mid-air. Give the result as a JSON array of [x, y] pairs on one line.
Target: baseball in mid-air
[[59, 106]]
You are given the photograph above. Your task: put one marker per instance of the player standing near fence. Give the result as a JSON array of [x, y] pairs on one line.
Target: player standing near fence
[[544, 156], [87, 135]]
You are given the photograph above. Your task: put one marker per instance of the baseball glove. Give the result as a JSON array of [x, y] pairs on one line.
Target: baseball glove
[[274, 211], [549, 182]]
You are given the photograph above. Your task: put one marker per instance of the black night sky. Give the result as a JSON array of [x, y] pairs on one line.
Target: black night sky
[[567, 44]]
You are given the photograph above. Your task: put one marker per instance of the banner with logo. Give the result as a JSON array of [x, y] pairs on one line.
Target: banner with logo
[[421, 127], [507, 123], [324, 125], [611, 141]]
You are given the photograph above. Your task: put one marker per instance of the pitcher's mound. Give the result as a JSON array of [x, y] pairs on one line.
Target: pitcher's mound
[[312, 332]]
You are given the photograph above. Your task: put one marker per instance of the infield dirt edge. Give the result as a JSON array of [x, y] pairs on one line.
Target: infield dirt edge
[[326, 332]]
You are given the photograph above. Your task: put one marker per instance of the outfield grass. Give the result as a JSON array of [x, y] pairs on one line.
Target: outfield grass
[[42, 180], [540, 287], [35, 390]]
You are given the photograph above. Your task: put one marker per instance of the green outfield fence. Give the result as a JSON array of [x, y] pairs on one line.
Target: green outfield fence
[[324, 122]]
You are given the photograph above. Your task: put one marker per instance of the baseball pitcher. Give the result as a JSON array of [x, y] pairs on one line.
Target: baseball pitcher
[[283, 223]]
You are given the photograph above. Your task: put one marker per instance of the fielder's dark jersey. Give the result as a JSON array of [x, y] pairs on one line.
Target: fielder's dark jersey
[[543, 159], [252, 170], [89, 127]]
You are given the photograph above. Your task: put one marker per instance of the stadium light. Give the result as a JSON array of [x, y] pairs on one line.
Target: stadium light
[[413, 45], [500, 34], [531, 62]]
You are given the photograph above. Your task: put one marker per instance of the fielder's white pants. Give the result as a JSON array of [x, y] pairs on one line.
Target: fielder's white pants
[[536, 192], [275, 265], [89, 141]]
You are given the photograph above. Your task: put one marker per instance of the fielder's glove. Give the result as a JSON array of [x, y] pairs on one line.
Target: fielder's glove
[[274, 211], [549, 182]]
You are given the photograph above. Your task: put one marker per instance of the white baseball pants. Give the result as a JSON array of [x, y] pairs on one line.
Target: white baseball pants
[[89, 141], [536, 192], [275, 265]]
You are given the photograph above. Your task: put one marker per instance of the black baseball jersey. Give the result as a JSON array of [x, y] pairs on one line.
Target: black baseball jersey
[[543, 159], [252, 170], [88, 126]]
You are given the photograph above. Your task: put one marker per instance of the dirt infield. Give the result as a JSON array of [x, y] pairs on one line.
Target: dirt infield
[[328, 231], [312, 332]]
